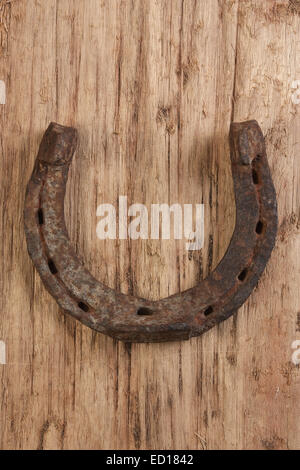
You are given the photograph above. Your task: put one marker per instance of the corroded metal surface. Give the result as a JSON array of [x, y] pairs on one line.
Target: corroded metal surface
[[132, 319]]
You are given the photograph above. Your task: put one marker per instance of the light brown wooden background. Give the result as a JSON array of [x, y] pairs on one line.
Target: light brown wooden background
[[152, 86]]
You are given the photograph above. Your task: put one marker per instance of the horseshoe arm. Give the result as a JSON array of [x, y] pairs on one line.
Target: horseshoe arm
[[132, 319]]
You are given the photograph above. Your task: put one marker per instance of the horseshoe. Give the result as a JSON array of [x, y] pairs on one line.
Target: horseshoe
[[132, 319]]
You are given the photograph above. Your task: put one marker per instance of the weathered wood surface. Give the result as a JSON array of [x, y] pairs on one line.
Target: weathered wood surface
[[152, 86]]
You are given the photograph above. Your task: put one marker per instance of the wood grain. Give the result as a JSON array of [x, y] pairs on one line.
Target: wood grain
[[152, 86]]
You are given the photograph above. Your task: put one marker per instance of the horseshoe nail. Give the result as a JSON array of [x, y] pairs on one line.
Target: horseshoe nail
[[132, 319]]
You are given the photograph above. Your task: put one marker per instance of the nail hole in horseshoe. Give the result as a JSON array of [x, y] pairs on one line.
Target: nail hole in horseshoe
[[41, 216], [255, 175], [83, 306], [243, 275], [144, 312], [259, 227], [52, 267], [208, 311]]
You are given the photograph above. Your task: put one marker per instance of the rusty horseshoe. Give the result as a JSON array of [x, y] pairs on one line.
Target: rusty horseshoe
[[132, 319]]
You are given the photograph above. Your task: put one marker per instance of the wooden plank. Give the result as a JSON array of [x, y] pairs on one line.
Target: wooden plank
[[150, 85], [267, 52]]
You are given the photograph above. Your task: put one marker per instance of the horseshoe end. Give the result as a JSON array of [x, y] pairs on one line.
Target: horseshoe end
[[58, 145]]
